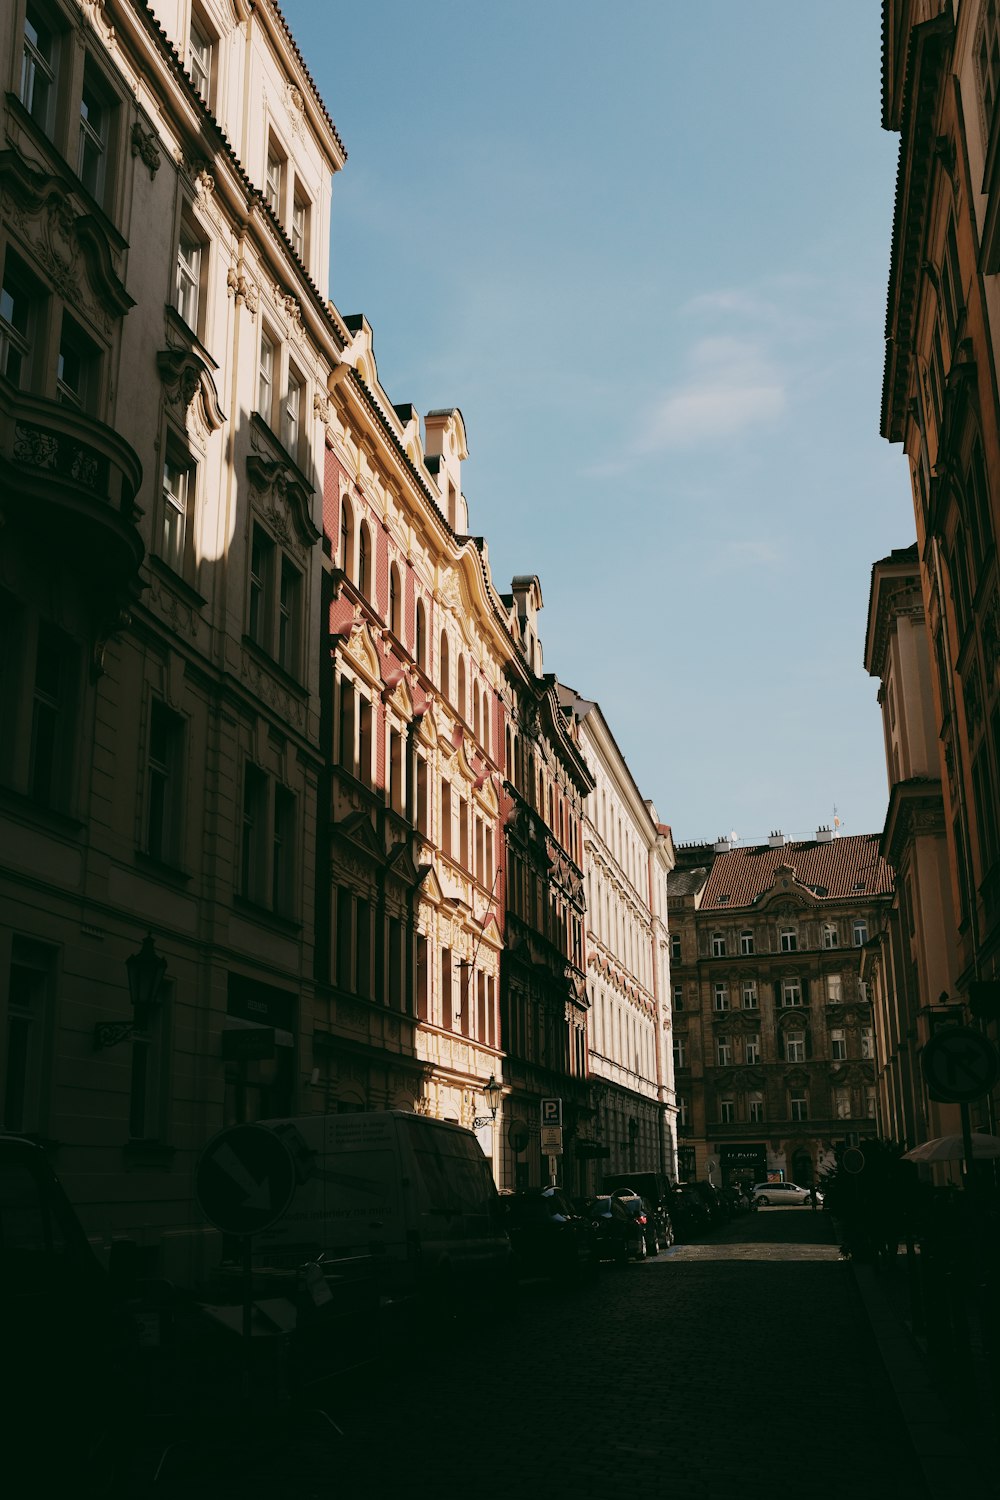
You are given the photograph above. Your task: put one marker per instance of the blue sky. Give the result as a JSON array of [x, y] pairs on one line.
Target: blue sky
[[645, 250]]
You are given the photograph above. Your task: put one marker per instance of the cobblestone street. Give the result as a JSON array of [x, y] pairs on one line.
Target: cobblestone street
[[741, 1365]]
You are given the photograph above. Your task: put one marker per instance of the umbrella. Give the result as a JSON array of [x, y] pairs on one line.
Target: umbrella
[[952, 1148]]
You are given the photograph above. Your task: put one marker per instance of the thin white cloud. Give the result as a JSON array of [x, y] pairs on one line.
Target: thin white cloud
[[732, 387]]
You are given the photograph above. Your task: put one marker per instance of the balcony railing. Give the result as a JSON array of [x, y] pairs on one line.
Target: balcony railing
[[63, 469]]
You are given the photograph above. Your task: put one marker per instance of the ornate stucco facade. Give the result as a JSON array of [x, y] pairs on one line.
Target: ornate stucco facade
[[774, 1045], [940, 401], [627, 857]]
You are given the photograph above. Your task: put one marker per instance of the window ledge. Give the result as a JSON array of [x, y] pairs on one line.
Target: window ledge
[[265, 659], [20, 804], [289, 925], [176, 581], [172, 873], [148, 1155]]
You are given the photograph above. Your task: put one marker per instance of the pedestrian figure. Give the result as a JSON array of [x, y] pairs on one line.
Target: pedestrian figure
[[812, 1196]]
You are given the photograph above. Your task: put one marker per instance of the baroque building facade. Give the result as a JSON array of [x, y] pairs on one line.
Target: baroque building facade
[[165, 182], [940, 401], [774, 1050], [909, 966], [627, 857], [271, 725]]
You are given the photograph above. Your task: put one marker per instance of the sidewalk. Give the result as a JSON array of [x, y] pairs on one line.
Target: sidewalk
[[954, 1436]]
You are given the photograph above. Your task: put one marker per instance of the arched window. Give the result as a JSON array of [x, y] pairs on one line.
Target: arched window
[[420, 645], [484, 736], [364, 561], [394, 601], [462, 696], [445, 665], [346, 530]]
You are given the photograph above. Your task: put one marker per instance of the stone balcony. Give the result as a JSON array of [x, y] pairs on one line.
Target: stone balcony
[[67, 479]]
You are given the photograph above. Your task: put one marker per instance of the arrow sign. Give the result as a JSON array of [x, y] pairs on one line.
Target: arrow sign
[[959, 1065], [245, 1179]]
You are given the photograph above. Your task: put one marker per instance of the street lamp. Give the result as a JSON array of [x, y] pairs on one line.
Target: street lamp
[[493, 1092], [145, 970]]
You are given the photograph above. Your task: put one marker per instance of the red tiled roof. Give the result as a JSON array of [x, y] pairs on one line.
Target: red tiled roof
[[846, 868]]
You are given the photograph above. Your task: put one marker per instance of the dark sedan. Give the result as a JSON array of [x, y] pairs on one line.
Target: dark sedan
[[619, 1236], [657, 1228], [548, 1236]]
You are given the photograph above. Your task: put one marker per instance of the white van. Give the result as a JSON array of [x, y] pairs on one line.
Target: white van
[[416, 1194]]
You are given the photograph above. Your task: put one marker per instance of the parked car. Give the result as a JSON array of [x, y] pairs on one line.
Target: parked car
[[619, 1236], [415, 1193], [689, 1212], [548, 1236], [654, 1188], [656, 1227], [767, 1194], [736, 1198]]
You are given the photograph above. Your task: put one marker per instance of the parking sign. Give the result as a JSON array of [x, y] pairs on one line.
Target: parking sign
[[551, 1112]]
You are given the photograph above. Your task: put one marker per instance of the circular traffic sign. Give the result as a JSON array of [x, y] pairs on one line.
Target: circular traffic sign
[[518, 1135], [853, 1160], [245, 1179], [959, 1065]]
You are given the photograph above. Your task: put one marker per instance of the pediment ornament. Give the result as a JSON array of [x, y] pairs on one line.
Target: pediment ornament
[[189, 382], [278, 482], [359, 648]]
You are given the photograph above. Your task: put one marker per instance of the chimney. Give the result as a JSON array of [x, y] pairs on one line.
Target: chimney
[[722, 844], [777, 839], [824, 835]]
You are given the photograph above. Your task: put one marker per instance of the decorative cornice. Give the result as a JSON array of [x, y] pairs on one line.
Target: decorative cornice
[[186, 376], [278, 478]]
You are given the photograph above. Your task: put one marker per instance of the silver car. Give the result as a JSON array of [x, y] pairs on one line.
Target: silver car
[[767, 1193]]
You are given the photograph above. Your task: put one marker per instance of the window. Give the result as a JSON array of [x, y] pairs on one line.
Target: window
[[30, 982], [164, 768], [988, 61], [755, 1107], [749, 994], [680, 1052], [189, 279], [38, 68], [798, 1107], [791, 992], [870, 1104], [18, 302], [300, 225], [746, 943], [831, 937], [291, 414], [200, 60], [789, 940], [795, 1046], [267, 864], [751, 1047], [394, 601], [675, 947], [838, 1045], [683, 1112], [346, 535], [727, 1110], [275, 603], [678, 997], [860, 932], [718, 945], [723, 1051], [835, 989], [420, 637], [722, 996], [265, 378], [51, 715], [445, 677], [76, 369], [364, 561], [274, 179], [867, 1043], [95, 124], [842, 1103], [178, 490]]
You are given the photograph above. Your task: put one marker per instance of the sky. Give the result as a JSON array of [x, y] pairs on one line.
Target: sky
[[645, 250]]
